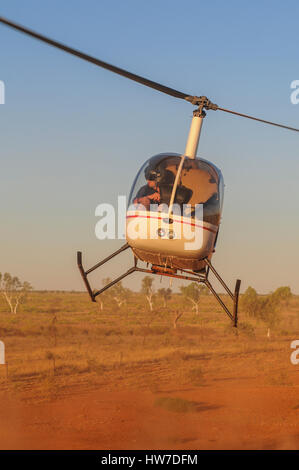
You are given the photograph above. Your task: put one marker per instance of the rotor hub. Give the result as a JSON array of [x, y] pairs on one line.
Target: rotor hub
[[202, 102]]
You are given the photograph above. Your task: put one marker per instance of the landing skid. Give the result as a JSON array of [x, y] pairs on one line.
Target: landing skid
[[159, 270]]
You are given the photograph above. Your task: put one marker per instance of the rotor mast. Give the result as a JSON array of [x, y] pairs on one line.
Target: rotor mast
[[193, 138], [194, 133], [196, 124]]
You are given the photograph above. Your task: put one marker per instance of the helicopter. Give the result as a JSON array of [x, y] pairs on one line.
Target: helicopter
[[174, 197]]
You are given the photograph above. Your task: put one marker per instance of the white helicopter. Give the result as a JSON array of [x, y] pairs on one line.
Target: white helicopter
[[164, 199]]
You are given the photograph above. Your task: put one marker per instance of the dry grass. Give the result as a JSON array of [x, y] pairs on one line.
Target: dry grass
[[61, 340]]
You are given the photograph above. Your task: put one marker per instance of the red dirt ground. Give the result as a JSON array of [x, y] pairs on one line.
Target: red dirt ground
[[226, 417]]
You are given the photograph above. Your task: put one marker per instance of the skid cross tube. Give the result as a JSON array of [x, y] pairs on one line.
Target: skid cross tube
[[160, 273], [123, 248], [187, 276], [119, 278], [93, 295], [141, 270]]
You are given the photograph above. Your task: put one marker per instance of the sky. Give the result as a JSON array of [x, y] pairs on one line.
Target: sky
[[74, 135]]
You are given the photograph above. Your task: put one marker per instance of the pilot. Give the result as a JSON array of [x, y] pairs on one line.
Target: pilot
[[149, 193]]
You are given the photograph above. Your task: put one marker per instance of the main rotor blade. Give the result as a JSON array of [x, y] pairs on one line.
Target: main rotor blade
[[201, 101], [258, 119], [93, 60]]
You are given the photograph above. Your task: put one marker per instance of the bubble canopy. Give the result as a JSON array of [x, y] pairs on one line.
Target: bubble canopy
[[200, 182]]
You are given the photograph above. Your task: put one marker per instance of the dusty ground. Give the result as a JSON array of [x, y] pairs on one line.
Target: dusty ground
[[226, 417], [114, 385]]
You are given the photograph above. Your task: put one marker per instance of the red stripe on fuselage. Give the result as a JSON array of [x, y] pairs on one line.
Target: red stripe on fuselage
[[178, 221]]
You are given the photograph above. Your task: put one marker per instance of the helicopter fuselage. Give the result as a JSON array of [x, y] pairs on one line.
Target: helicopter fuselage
[[180, 229]]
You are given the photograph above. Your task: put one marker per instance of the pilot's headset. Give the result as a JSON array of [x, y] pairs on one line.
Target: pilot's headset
[[152, 174]]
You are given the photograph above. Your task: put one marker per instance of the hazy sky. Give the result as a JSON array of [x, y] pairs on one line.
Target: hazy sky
[[74, 135]]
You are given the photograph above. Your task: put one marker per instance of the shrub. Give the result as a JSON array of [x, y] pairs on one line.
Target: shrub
[[263, 308], [247, 329], [282, 294], [178, 405]]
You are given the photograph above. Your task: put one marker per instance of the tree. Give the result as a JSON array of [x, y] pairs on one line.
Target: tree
[[203, 290], [13, 290], [263, 308], [165, 294], [283, 295], [268, 311], [176, 317], [148, 290], [192, 293], [250, 301], [119, 293], [105, 295]]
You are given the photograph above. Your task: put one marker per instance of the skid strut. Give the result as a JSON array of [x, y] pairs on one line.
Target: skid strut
[[235, 297], [159, 270], [84, 274]]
